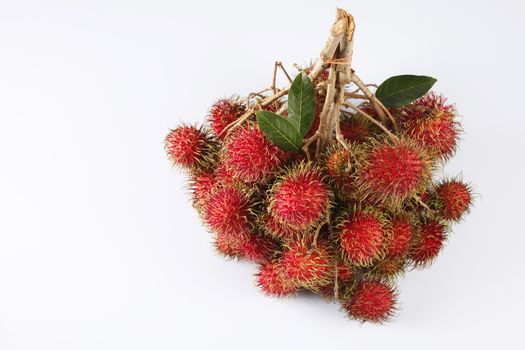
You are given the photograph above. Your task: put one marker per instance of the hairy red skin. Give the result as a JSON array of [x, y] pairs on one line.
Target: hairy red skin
[[393, 171], [430, 121], [429, 243], [222, 113], [453, 198], [373, 301], [354, 131], [361, 238], [201, 185], [307, 267], [277, 229], [439, 135], [337, 167], [249, 156], [344, 271], [227, 211], [257, 248], [229, 243], [402, 231], [186, 146], [390, 267], [300, 199], [272, 280]]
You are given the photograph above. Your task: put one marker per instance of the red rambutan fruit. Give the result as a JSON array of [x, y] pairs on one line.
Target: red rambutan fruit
[[401, 232], [344, 271], [300, 199], [308, 267], [229, 243], [249, 156], [354, 129], [257, 248], [453, 199], [431, 123], [393, 171], [189, 147], [339, 169], [276, 229], [428, 243], [372, 301], [227, 210], [361, 238], [224, 112], [272, 280], [389, 268], [200, 185]]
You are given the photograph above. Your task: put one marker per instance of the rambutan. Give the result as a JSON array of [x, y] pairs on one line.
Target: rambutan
[[355, 129], [340, 170], [453, 199], [227, 210], [272, 280], [224, 112], [300, 199], [372, 301], [189, 147], [401, 232], [431, 123], [249, 156], [428, 243], [200, 186], [257, 248], [308, 267], [361, 238], [229, 243], [393, 171], [389, 268], [276, 229], [344, 271]]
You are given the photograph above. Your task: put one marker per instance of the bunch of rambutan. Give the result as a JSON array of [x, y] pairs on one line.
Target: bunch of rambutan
[[329, 190]]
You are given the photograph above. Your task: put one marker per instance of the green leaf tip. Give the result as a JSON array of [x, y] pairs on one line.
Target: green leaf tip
[[301, 103], [400, 90], [280, 131]]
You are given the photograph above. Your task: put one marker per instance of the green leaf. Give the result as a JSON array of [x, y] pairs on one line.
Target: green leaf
[[400, 90], [301, 103], [280, 131]]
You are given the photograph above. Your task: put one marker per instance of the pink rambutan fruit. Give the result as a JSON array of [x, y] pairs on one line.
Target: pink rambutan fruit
[[401, 232], [393, 171], [272, 279], [308, 267], [428, 243], [257, 248], [361, 237], [189, 147], [224, 112], [372, 301], [227, 210], [250, 156], [453, 199], [300, 199]]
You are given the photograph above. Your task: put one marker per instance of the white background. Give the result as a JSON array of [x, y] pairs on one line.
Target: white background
[[99, 246]]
